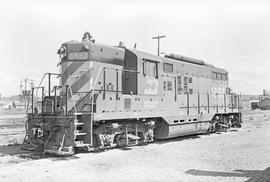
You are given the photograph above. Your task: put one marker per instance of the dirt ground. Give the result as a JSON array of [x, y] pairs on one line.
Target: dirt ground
[[237, 155]]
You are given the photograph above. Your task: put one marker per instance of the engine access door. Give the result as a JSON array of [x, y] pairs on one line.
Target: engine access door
[[169, 93], [129, 76]]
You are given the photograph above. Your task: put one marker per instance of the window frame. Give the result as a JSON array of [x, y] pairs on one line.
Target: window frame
[[224, 77], [185, 88], [167, 65], [219, 76], [214, 75], [155, 71], [179, 85], [185, 80], [169, 86]]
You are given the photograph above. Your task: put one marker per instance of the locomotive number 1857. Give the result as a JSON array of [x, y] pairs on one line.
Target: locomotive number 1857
[[77, 55]]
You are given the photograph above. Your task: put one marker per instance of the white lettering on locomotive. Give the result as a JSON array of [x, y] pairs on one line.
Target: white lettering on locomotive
[[218, 92]]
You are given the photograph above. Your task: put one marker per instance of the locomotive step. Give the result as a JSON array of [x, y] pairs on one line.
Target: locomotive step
[[82, 144], [76, 134], [76, 124]]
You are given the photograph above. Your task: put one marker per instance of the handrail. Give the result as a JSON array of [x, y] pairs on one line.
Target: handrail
[[92, 106], [43, 79], [79, 102], [72, 96]]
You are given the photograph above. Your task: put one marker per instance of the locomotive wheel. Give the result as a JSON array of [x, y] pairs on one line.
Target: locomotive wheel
[[120, 139], [226, 123], [212, 128], [237, 124]]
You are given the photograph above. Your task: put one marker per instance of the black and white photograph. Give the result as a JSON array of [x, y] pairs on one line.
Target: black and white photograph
[[135, 90]]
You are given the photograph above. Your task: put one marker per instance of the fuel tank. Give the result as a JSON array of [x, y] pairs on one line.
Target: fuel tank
[[165, 130]]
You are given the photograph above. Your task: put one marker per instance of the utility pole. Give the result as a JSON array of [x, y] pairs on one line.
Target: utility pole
[[32, 92], [25, 83], [25, 92], [21, 95], [32, 83], [158, 38]]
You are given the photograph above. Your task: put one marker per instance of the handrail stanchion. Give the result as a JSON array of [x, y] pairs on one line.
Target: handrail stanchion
[[187, 103], [92, 105], [49, 84], [225, 104], [208, 103], [66, 99], [33, 100], [104, 83], [199, 107], [55, 99], [73, 99], [42, 96], [117, 89]]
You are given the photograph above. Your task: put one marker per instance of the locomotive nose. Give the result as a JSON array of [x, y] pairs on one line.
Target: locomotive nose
[[73, 51]]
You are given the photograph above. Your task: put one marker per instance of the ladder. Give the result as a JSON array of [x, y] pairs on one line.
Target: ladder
[[79, 134]]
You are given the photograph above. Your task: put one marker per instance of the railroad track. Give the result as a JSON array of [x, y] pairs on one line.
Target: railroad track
[[12, 133], [12, 129], [12, 125]]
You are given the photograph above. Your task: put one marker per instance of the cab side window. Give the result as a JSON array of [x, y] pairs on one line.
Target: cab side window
[[224, 77], [150, 68], [214, 75], [167, 68]]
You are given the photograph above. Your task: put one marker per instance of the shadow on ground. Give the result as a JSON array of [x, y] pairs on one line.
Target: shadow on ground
[[176, 139], [191, 137], [15, 150], [253, 175]]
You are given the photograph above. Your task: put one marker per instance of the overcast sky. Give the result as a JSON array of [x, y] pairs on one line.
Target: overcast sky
[[231, 34]]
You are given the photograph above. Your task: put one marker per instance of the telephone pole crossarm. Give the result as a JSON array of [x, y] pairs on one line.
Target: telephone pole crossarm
[[158, 38]]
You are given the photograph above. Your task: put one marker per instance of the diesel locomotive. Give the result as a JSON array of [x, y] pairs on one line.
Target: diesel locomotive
[[113, 96]]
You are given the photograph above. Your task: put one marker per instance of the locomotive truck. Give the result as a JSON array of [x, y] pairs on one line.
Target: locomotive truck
[[113, 96]]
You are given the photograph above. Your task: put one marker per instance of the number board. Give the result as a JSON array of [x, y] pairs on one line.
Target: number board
[[77, 55]]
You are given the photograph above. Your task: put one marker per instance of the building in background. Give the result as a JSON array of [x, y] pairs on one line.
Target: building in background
[[264, 100], [264, 104]]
